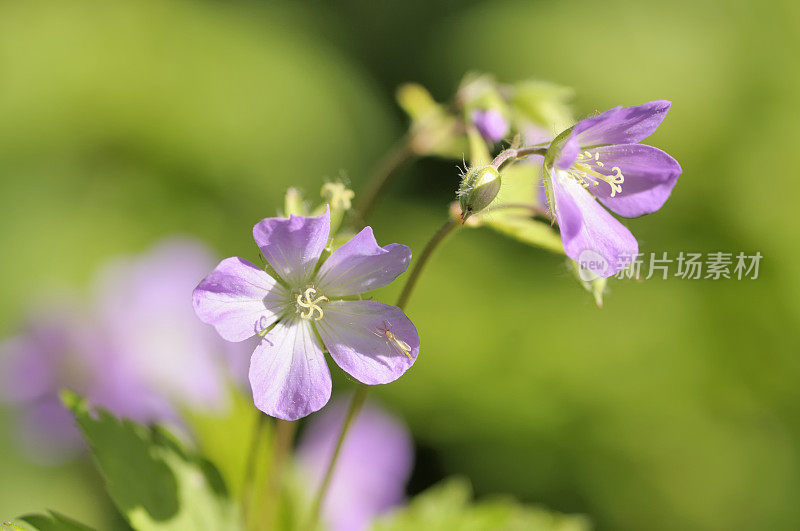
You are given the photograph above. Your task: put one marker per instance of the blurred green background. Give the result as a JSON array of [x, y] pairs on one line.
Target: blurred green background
[[677, 406]]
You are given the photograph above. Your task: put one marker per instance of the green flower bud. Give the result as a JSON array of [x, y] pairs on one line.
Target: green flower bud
[[337, 195], [340, 199], [294, 204], [478, 189]]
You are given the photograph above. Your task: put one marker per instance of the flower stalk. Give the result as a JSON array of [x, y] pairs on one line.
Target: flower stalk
[[510, 155], [361, 391]]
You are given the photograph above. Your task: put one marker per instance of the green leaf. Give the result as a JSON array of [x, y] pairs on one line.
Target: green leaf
[[50, 522], [226, 438], [447, 506], [543, 102], [518, 224], [153, 480], [439, 507]]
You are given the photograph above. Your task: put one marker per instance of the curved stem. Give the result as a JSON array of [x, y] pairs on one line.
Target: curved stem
[[355, 406], [510, 155], [431, 246], [392, 161], [361, 391]]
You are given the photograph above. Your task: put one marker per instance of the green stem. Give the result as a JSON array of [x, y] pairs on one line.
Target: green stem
[[416, 271], [361, 391], [396, 158], [510, 155], [355, 406]]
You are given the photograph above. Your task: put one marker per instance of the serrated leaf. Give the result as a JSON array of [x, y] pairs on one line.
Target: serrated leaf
[[155, 483], [447, 506]]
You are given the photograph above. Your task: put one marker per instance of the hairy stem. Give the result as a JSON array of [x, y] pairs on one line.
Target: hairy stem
[[510, 155]]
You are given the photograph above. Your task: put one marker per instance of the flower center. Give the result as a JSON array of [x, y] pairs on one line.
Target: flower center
[[308, 304], [586, 168]]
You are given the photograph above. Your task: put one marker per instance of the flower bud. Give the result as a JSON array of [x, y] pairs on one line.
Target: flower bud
[[478, 189], [337, 195], [340, 198], [294, 204], [456, 213]]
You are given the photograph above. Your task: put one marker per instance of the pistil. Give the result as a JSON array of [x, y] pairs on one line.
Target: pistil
[[311, 303]]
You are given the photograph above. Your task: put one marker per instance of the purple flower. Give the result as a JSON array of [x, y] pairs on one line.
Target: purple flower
[[144, 309], [374, 342], [139, 351], [491, 124], [56, 350], [601, 160], [373, 467]]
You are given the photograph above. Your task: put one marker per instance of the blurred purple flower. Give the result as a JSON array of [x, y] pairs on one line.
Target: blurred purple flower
[[140, 353], [57, 350], [145, 307], [368, 339], [603, 161], [373, 467], [491, 124]]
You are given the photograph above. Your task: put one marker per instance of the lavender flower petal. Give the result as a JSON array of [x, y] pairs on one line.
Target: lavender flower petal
[[569, 151], [288, 374], [650, 174], [627, 125], [620, 125], [354, 333], [586, 226], [239, 299], [361, 265], [293, 246], [374, 463]]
